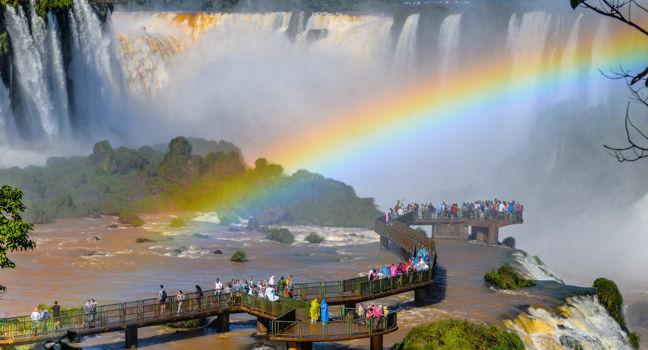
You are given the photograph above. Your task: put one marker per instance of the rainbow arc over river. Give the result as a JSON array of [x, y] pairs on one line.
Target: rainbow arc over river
[[471, 93]]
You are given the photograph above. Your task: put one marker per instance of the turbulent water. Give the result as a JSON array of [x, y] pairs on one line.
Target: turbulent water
[[582, 323]]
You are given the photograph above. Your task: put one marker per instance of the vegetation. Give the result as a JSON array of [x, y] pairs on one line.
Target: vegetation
[[110, 181], [610, 297], [635, 341], [507, 278], [13, 229], [509, 242], [238, 256], [129, 218], [176, 223], [459, 335], [314, 238], [281, 235]]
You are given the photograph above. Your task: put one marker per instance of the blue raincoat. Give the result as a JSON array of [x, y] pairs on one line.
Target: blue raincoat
[[324, 311]]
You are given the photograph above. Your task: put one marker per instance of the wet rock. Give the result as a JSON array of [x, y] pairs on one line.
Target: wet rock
[[112, 226], [144, 240], [218, 251], [96, 238], [200, 235]]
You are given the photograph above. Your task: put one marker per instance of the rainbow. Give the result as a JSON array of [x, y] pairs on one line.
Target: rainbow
[[425, 104]]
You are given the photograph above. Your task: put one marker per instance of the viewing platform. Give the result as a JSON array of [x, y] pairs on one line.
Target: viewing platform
[[284, 320]]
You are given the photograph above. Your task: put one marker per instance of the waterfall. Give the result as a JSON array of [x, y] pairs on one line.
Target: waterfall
[[96, 70], [449, 36], [569, 71], [582, 323], [29, 54], [526, 40], [6, 117], [598, 92], [405, 54], [57, 78]]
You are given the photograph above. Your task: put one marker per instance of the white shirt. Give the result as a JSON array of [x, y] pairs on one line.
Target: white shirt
[[35, 316], [218, 285]]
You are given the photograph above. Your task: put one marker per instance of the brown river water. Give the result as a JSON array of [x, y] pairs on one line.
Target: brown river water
[[77, 259]]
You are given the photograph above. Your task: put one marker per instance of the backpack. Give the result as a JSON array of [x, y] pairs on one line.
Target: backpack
[[163, 298]]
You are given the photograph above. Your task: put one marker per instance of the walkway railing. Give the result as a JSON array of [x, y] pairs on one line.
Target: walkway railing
[[349, 327], [288, 312]]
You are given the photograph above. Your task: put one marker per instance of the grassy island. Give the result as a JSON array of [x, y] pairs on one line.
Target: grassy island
[[238, 256], [507, 278], [281, 235], [459, 335]]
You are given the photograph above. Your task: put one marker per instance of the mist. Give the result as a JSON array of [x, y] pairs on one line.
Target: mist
[[259, 78]]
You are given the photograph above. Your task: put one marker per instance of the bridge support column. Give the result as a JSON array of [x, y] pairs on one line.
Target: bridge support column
[[376, 342], [130, 339], [222, 322], [293, 345], [493, 234], [263, 325], [384, 243], [420, 296]]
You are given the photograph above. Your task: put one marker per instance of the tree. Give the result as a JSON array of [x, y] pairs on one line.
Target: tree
[[625, 11], [13, 229]]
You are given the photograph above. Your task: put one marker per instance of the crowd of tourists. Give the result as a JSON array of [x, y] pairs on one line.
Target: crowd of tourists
[[480, 209], [268, 288], [421, 261]]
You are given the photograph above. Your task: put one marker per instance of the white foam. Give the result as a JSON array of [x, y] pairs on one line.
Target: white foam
[[208, 217], [533, 268]]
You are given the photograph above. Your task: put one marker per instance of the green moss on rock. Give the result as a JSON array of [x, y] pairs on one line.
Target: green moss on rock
[[459, 335], [609, 296], [129, 218], [238, 256], [281, 235], [507, 278]]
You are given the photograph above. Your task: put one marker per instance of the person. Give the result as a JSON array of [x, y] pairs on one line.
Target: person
[[87, 312], [56, 314], [289, 287], [162, 299], [218, 288], [360, 311], [324, 311], [180, 298], [281, 285], [385, 311], [270, 293], [35, 317], [44, 316], [314, 311], [93, 311], [199, 297]]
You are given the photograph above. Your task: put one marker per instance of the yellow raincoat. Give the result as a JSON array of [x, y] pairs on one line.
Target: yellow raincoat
[[314, 310]]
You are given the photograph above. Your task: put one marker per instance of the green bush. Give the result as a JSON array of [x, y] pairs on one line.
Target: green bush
[[507, 278], [177, 222], [238, 256], [130, 218], [314, 238], [281, 235], [459, 335], [609, 296], [634, 340]]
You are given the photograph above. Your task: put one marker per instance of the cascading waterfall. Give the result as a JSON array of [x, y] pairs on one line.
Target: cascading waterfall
[[582, 323], [29, 56], [405, 55], [568, 64], [96, 70], [449, 36], [526, 42]]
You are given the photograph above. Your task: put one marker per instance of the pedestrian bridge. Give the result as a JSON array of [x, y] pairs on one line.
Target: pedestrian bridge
[[285, 320]]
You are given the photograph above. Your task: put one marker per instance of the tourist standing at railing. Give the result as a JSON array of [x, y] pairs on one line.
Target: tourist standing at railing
[[199, 297], [180, 298], [360, 311], [314, 311], [44, 317], [93, 311], [218, 287], [162, 300], [56, 314], [324, 311], [35, 317], [290, 286], [87, 312]]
